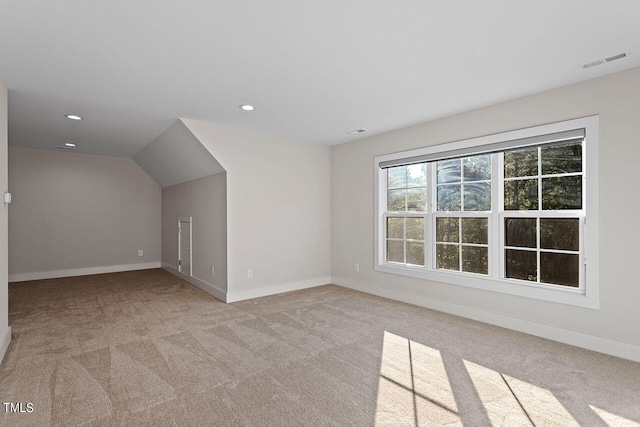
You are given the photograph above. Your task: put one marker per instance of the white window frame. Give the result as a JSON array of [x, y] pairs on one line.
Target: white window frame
[[586, 295]]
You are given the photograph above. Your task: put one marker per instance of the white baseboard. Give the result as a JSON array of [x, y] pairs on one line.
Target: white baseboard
[[578, 339], [199, 283], [247, 294], [42, 275], [5, 340], [277, 289]]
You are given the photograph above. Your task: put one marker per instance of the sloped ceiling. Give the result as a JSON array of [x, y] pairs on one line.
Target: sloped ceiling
[[176, 156]]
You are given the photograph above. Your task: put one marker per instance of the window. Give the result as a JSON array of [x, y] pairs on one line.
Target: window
[[462, 240], [505, 212], [406, 204]]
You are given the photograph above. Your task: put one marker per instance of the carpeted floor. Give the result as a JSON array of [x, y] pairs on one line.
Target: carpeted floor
[[146, 348]]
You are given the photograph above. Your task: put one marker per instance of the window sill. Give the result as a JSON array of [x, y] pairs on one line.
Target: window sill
[[568, 296]]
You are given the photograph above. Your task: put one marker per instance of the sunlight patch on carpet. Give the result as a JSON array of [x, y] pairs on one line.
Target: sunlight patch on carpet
[[613, 420], [413, 388], [509, 401]]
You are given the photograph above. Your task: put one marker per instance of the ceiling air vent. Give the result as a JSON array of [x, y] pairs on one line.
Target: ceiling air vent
[[616, 57], [593, 64], [605, 60]]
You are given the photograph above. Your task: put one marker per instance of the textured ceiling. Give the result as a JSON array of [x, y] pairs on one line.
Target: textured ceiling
[[314, 70]]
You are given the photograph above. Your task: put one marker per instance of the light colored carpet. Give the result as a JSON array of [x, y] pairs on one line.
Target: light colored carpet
[[146, 348]]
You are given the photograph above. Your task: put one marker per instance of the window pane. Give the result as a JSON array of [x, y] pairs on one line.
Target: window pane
[[449, 198], [562, 193], [520, 232], [474, 230], [448, 257], [415, 228], [560, 233], [396, 200], [397, 177], [565, 158], [395, 228], [477, 197], [521, 163], [447, 229], [559, 269], [417, 199], [395, 251], [477, 168], [475, 259], [417, 175], [448, 171], [521, 265], [521, 194], [415, 253]]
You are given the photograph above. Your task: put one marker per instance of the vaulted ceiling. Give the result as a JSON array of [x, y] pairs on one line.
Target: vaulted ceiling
[[313, 70]]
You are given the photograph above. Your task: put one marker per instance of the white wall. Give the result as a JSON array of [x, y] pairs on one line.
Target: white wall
[[75, 214], [614, 327], [5, 330], [278, 210], [205, 201]]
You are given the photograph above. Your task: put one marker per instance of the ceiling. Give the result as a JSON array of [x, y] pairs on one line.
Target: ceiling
[[314, 70], [176, 156]]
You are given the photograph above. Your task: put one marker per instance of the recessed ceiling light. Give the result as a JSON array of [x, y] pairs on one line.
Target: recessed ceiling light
[[73, 117], [356, 131], [247, 107], [69, 144]]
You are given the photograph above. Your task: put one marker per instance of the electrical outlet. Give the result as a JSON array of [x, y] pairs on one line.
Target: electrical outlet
[[140, 253], [356, 267], [249, 274], [213, 271]]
